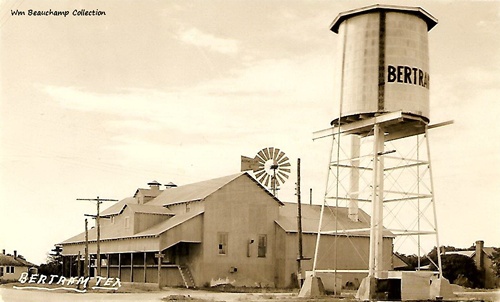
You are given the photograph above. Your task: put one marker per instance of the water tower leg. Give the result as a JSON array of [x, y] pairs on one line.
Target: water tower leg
[[368, 287], [312, 287]]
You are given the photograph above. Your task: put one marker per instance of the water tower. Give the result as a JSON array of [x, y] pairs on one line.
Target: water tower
[[380, 158]]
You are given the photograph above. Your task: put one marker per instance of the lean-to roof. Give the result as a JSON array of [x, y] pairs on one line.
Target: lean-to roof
[[287, 220]]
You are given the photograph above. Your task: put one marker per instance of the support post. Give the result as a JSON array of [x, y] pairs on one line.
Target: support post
[[145, 267], [78, 265], [98, 238], [131, 267], [119, 265], [70, 266], [299, 228], [86, 261], [376, 228], [160, 260]]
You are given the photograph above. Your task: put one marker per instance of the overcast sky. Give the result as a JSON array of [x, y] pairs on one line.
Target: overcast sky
[[178, 90]]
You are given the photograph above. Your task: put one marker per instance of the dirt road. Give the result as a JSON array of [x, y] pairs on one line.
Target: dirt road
[[10, 294], [175, 294]]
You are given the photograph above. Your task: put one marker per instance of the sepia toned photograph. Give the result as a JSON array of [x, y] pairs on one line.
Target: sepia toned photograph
[[249, 150]]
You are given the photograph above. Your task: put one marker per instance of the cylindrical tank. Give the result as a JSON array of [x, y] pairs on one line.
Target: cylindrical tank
[[384, 60]]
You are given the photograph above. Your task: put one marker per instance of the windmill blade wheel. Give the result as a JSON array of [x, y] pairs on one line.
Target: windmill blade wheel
[[273, 167]]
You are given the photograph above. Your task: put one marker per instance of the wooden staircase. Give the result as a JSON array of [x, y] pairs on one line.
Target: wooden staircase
[[186, 276]]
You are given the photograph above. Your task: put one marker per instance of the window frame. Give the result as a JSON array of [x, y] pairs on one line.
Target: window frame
[[262, 248], [222, 243]]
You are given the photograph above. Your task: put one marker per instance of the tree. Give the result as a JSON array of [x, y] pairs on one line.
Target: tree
[[54, 262], [458, 269], [496, 261]]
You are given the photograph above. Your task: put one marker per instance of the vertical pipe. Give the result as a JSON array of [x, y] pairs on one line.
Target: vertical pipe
[[418, 206], [354, 178]]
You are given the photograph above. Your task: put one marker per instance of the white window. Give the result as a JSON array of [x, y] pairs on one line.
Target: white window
[[9, 269], [127, 222], [222, 238], [112, 219], [188, 207]]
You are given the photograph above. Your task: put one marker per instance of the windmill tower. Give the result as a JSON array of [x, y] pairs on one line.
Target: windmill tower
[[380, 158]]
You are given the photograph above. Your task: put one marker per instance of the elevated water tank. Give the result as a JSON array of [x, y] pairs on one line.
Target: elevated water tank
[[384, 61]]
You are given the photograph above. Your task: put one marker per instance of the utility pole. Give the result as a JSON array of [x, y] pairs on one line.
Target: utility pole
[[98, 202], [86, 261], [299, 225]]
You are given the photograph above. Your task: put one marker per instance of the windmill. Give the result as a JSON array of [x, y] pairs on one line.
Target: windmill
[[271, 167]]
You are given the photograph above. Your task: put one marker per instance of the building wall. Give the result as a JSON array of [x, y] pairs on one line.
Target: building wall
[[352, 253], [118, 226], [490, 280], [242, 210], [18, 270], [190, 231], [144, 221]]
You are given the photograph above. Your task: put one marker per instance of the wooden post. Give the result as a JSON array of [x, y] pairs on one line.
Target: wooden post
[[108, 260], [78, 265], [86, 261], [70, 266], [160, 260], [145, 267], [63, 265], [119, 265], [299, 227], [131, 267], [98, 238]]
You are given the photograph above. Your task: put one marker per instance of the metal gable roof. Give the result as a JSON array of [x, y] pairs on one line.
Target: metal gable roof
[[199, 190], [192, 192]]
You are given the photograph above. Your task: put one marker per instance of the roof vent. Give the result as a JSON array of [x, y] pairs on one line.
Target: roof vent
[[170, 185], [154, 185]]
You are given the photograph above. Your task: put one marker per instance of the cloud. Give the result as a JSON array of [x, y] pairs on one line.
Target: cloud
[[198, 38], [267, 94]]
